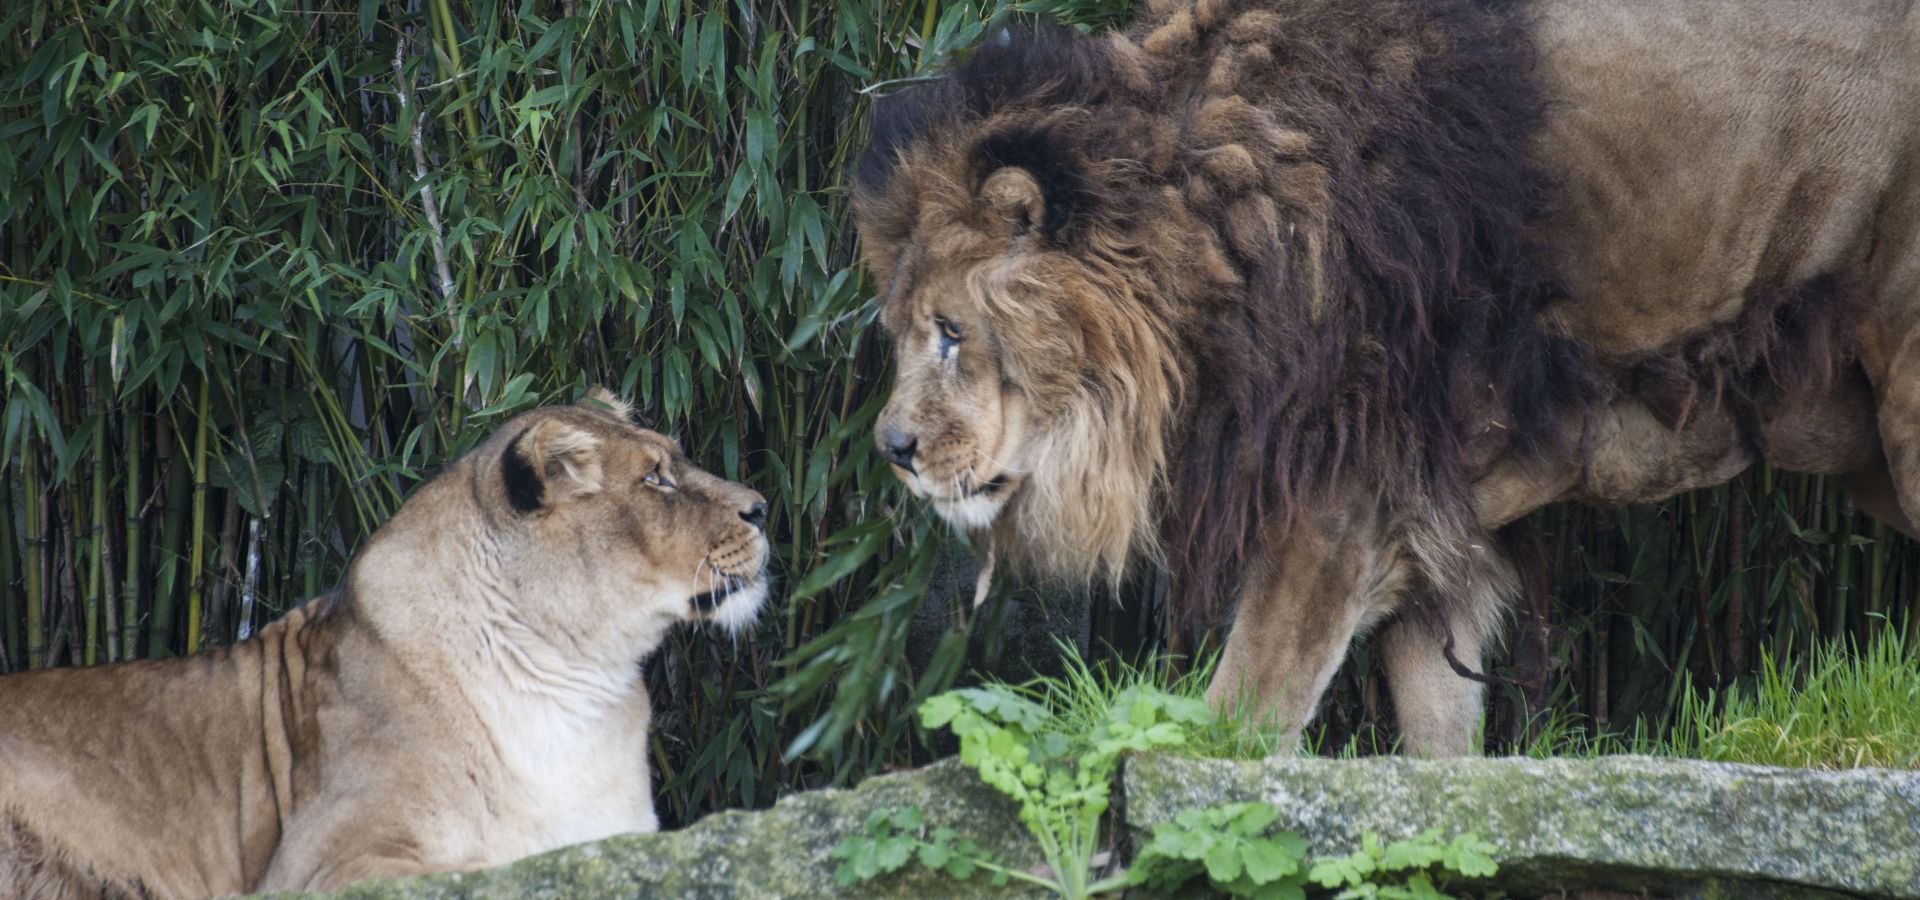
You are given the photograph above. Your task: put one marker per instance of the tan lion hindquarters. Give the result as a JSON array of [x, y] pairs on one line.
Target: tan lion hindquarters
[[469, 696]]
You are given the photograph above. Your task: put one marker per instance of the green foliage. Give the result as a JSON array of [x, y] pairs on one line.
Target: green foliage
[[893, 837], [1839, 706], [1411, 869], [1054, 747], [1086, 690], [1061, 776], [1229, 845]]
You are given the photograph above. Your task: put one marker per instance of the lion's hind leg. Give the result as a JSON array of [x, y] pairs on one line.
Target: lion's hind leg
[[1899, 420], [1439, 710]]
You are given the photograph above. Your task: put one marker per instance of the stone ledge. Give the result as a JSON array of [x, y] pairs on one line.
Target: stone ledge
[[779, 852], [1564, 828], [1630, 823]]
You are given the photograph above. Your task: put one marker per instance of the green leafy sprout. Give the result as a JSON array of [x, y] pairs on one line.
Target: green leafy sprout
[[1043, 746]]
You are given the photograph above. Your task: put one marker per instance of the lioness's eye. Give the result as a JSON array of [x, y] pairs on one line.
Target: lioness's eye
[[655, 479]]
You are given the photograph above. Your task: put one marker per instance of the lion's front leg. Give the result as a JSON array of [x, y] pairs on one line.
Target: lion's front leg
[[1306, 596]]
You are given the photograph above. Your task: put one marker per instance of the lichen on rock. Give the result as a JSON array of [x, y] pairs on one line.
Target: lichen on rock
[[1630, 823]]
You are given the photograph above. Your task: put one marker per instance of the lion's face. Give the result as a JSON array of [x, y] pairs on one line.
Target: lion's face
[[610, 524], [954, 425], [1029, 393]]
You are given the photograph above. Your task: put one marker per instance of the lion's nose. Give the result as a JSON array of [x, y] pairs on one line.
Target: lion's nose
[[756, 515], [898, 447]]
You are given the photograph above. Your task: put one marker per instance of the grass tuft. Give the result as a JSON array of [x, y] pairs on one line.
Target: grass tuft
[[1840, 707], [1085, 692], [1845, 707]]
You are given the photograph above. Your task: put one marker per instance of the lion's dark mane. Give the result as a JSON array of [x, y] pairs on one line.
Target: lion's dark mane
[[1385, 357]]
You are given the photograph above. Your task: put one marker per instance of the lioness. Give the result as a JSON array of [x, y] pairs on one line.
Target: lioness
[[1303, 298], [470, 695]]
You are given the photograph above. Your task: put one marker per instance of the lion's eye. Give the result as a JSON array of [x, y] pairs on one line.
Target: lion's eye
[[656, 479], [949, 335]]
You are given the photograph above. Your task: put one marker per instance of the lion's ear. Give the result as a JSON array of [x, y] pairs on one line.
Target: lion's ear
[[1012, 195], [550, 463]]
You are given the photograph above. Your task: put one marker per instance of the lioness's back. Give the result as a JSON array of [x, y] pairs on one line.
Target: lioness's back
[[128, 752]]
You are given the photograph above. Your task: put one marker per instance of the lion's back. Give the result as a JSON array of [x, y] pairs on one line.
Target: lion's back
[[1719, 150]]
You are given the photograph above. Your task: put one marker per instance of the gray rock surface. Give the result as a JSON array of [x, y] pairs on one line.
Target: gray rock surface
[[1629, 823], [1616, 827], [780, 852]]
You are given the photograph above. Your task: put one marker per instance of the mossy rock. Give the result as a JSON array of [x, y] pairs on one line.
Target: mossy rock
[[1659, 827], [779, 852]]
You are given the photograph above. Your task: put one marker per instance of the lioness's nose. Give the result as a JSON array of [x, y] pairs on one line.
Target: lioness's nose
[[898, 447], [755, 515]]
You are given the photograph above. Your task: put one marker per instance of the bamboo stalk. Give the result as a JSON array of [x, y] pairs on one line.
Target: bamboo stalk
[[196, 570], [311, 561], [219, 608], [130, 615], [34, 520], [10, 605], [97, 531], [1735, 616], [250, 580], [173, 531], [449, 42], [70, 610], [1841, 588]]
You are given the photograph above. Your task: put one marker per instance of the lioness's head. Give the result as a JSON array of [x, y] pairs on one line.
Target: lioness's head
[[597, 522]]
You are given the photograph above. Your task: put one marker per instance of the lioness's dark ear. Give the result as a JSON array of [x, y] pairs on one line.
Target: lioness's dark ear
[[599, 399], [550, 463], [1012, 195]]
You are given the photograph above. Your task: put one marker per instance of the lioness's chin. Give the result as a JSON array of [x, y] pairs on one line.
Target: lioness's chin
[[734, 610]]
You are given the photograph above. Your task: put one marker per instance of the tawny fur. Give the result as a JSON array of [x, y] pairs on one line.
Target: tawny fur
[[1306, 297], [469, 696]]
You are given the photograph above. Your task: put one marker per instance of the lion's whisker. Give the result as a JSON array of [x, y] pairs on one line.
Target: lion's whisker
[[1003, 467]]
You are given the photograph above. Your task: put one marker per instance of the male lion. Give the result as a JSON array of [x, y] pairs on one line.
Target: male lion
[[469, 696], [1303, 298]]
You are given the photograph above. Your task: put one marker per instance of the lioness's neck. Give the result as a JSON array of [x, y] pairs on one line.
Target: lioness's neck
[[444, 593]]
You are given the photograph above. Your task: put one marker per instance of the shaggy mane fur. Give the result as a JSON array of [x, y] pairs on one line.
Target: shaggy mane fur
[[1323, 203]]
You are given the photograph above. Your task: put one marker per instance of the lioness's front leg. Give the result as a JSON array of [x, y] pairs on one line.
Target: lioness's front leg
[[1308, 591]]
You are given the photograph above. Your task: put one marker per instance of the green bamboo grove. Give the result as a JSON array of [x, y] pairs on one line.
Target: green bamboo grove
[[264, 266]]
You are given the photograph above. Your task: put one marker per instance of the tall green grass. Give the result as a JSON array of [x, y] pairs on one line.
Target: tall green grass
[[1842, 705]]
